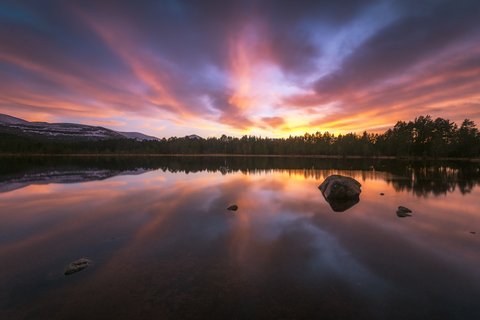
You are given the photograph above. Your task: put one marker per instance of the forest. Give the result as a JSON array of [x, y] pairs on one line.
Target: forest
[[422, 137]]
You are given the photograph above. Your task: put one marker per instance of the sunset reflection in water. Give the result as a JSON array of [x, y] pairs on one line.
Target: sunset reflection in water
[[163, 245]]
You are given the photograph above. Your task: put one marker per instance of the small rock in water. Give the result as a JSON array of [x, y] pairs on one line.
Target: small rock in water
[[473, 232], [403, 212], [404, 209], [77, 266], [233, 208], [382, 194]]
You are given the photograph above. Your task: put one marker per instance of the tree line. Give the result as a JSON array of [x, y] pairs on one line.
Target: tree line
[[422, 137]]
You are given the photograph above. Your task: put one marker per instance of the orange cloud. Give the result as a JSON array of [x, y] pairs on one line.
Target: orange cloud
[[149, 126], [105, 123], [44, 103], [274, 122], [440, 87]]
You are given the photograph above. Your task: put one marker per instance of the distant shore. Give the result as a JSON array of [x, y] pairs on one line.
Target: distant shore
[[233, 155]]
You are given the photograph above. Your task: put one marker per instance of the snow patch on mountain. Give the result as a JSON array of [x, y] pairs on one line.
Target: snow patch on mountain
[[194, 136]]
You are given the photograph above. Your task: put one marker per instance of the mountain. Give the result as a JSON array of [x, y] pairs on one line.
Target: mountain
[[138, 136], [63, 131], [5, 119]]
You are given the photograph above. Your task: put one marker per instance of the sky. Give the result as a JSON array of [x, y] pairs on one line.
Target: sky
[[242, 67]]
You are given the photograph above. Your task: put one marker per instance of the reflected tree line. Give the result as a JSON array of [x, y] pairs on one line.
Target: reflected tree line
[[437, 180], [420, 177], [422, 137]]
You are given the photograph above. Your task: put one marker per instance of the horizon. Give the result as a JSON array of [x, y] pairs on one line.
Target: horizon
[[266, 137], [261, 68]]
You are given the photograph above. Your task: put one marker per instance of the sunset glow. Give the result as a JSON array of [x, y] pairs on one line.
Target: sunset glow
[[255, 67]]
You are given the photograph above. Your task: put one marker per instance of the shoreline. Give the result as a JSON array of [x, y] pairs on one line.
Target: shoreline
[[238, 155]]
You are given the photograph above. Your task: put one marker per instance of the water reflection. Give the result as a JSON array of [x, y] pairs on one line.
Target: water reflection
[[18, 172], [163, 245], [437, 179], [418, 177]]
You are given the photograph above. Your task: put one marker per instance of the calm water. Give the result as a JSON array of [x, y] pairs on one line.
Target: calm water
[[163, 245]]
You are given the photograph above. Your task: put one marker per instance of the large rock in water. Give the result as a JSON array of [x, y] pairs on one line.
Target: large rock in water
[[340, 187], [341, 192]]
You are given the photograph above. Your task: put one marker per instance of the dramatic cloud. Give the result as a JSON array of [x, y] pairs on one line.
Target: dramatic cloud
[[240, 67]]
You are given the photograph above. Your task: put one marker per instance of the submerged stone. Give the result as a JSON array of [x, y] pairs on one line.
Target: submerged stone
[[76, 266], [233, 208]]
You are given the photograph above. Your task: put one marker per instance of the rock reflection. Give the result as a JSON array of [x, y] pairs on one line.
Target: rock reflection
[[341, 205]]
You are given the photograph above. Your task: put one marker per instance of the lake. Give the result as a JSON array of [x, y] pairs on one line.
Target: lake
[[164, 246]]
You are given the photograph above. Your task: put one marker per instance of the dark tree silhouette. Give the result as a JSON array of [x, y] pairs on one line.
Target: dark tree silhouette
[[422, 137]]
